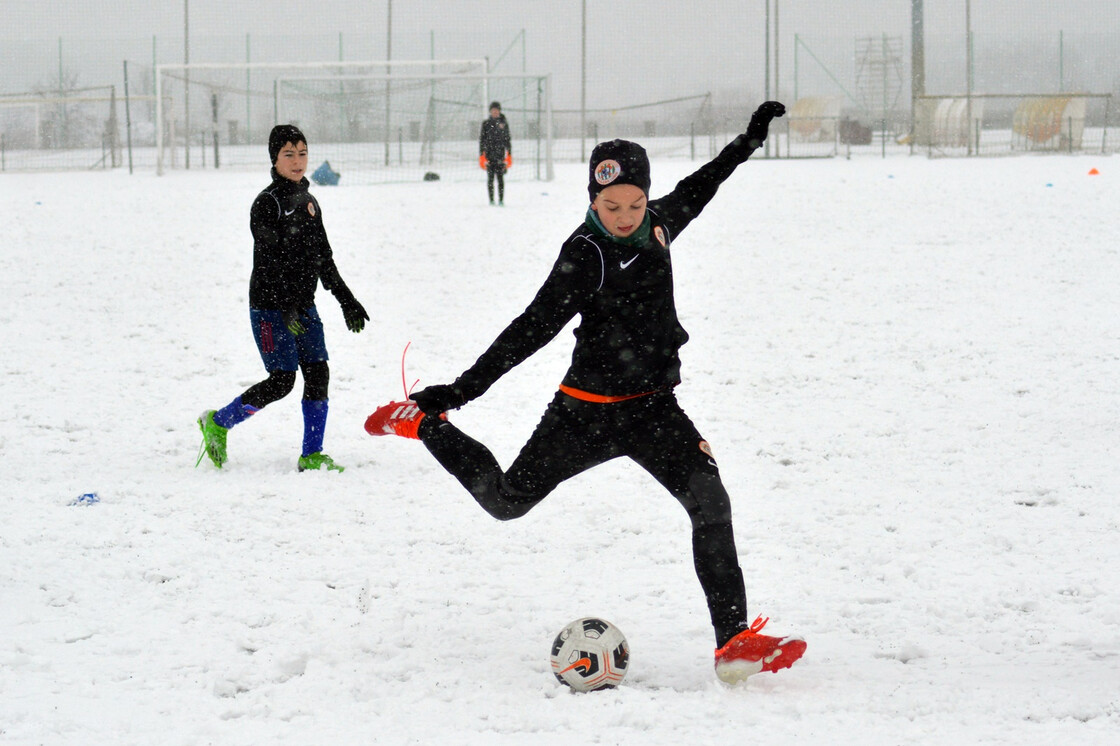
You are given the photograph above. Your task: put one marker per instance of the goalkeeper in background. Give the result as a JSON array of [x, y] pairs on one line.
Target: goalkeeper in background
[[494, 151], [291, 254], [617, 398]]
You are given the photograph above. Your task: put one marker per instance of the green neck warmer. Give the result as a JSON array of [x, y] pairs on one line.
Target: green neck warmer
[[637, 238]]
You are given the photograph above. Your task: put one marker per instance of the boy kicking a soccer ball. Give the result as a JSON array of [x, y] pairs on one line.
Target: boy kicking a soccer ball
[[617, 397], [291, 254]]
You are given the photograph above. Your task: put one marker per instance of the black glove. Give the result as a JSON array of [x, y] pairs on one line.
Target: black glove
[[356, 316], [760, 122], [293, 320], [436, 400]]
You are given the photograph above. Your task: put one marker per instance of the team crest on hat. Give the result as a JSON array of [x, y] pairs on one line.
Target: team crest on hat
[[607, 171]]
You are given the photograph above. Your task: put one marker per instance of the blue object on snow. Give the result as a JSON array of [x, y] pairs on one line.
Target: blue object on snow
[[89, 498], [325, 175]]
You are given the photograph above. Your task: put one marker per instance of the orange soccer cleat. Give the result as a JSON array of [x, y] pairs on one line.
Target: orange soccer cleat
[[395, 418], [748, 653]]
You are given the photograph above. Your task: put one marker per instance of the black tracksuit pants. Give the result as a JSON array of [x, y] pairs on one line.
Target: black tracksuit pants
[[574, 436], [495, 170]]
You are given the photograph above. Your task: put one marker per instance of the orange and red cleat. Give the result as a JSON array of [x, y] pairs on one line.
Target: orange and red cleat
[[748, 653], [395, 418]]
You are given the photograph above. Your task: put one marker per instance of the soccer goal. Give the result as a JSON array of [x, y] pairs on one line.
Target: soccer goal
[[46, 132], [373, 122], [403, 126]]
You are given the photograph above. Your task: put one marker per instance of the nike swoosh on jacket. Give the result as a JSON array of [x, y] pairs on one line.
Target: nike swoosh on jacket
[[291, 253]]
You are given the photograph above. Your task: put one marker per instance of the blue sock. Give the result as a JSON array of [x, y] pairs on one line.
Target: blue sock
[[233, 413], [314, 425]]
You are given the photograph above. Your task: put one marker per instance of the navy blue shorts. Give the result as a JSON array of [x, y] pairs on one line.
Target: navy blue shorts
[[282, 350]]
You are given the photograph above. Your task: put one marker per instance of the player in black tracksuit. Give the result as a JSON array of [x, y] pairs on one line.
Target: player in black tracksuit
[[617, 398], [291, 252], [495, 151], [291, 255]]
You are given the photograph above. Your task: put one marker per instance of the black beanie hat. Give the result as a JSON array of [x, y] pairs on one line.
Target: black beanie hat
[[618, 162], [495, 105], [280, 135]]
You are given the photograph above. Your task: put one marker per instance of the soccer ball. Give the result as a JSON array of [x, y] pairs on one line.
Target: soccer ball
[[590, 654]]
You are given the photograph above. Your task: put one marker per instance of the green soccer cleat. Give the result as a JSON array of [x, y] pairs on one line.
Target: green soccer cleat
[[317, 461], [213, 439]]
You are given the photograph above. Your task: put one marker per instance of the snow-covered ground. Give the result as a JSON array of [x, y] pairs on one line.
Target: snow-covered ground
[[909, 370]]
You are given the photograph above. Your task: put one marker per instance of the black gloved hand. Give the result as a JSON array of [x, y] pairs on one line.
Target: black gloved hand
[[293, 320], [437, 399], [352, 311], [760, 122]]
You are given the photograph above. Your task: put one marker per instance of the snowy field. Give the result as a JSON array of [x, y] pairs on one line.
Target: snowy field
[[909, 370]]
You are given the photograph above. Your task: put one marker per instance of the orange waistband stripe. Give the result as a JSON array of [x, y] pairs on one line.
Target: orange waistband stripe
[[599, 398]]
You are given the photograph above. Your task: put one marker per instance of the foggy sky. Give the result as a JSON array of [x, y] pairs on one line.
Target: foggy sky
[[637, 49], [660, 18]]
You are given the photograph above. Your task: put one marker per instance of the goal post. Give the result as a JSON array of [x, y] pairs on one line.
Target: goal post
[[375, 121], [242, 93], [402, 127]]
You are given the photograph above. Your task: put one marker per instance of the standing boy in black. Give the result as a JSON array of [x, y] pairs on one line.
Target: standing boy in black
[[494, 151], [617, 397], [291, 254]]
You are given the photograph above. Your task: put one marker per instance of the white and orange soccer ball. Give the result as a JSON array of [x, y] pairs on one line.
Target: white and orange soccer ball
[[589, 654]]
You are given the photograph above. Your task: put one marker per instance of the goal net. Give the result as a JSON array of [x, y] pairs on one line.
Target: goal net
[[50, 132], [401, 127], [370, 122]]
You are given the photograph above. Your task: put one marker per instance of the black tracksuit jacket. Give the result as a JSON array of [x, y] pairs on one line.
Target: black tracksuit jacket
[[493, 139], [291, 253], [629, 335]]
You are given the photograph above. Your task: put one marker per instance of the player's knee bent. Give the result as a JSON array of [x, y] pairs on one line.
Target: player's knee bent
[[502, 501], [274, 388]]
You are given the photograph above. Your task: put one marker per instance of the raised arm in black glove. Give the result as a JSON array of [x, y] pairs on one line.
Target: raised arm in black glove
[[356, 316], [438, 399], [760, 122]]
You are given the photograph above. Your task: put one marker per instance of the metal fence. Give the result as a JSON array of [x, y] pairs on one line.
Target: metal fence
[[693, 72]]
